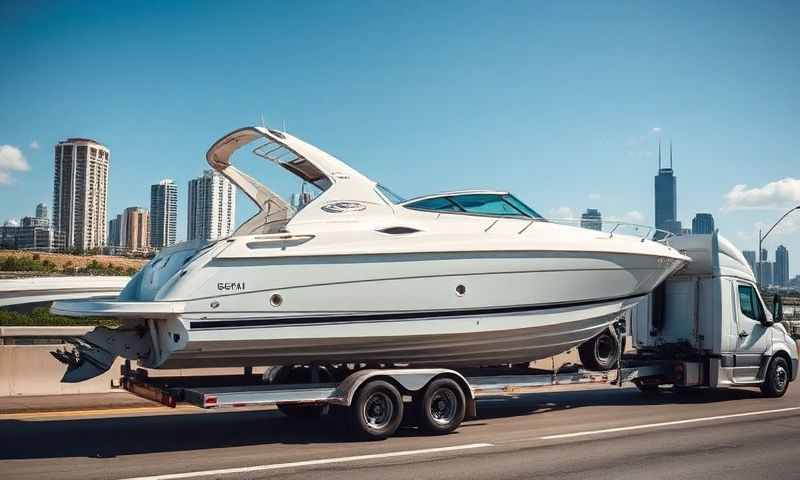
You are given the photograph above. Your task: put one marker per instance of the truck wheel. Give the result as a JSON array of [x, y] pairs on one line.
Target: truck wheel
[[777, 380], [601, 352], [442, 407], [376, 411]]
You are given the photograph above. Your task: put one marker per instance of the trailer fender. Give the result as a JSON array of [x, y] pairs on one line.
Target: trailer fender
[[408, 380]]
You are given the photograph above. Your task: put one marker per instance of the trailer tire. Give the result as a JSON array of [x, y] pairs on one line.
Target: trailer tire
[[777, 379], [441, 407], [601, 352], [376, 411]]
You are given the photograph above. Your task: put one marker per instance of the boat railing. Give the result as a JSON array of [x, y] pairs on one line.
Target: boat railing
[[617, 227]]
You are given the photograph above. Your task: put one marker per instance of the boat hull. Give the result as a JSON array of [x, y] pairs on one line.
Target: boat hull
[[473, 339]]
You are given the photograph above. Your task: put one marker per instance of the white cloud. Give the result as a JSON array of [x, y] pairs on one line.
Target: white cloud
[[779, 194], [562, 213], [594, 196], [655, 130], [11, 160], [34, 145], [634, 216]]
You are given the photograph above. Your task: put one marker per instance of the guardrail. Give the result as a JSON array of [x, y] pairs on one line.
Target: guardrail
[[39, 335]]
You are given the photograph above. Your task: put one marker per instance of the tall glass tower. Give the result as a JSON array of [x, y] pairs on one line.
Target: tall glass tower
[[666, 195]]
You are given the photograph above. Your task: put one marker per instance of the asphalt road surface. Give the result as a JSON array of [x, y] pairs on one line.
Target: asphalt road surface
[[590, 432]]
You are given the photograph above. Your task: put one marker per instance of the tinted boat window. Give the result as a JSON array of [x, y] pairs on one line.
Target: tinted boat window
[[521, 206], [439, 203], [486, 204]]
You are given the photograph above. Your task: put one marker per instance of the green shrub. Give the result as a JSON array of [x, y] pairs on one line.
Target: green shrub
[[41, 317]]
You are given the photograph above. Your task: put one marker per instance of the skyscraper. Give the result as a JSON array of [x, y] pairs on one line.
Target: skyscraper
[[135, 229], [781, 271], [80, 193], [163, 212], [765, 277], [592, 219], [41, 212], [703, 223], [114, 226], [211, 208], [666, 196], [750, 256]]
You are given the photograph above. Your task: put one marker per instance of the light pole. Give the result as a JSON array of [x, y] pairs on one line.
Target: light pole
[[761, 241]]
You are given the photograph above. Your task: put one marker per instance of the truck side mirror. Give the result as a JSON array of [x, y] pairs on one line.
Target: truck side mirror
[[777, 308]]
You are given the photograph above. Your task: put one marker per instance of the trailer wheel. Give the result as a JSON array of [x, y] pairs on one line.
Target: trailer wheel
[[777, 380], [442, 407], [376, 411], [601, 352]]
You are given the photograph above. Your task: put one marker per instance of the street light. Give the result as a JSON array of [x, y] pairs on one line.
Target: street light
[[761, 240]]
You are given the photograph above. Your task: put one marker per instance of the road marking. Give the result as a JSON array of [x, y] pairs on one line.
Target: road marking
[[307, 463], [89, 413], [666, 424]]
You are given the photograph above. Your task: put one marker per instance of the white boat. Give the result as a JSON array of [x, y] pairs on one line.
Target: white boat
[[361, 275]]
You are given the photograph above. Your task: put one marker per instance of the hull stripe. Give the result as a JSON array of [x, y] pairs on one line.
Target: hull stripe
[[329, 319]]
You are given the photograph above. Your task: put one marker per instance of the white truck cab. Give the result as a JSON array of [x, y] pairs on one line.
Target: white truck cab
[[711, 316]]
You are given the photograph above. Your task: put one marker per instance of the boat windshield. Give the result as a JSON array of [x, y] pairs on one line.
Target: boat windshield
[[491, 204], [390, 195]]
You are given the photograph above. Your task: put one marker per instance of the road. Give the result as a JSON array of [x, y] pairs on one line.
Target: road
[[583, 432]]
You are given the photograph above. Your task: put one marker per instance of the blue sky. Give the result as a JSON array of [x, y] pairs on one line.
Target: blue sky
[[561, 103]]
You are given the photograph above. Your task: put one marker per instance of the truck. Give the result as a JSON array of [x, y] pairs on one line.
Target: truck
[[707, 326]]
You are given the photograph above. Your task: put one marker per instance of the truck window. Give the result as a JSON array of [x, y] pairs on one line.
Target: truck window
[[748, 301]]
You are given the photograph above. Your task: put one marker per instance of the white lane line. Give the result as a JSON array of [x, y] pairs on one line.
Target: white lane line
[[307, 463], [666, 424]]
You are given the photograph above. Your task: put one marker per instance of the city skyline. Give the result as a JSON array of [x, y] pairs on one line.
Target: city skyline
[[483, 110]]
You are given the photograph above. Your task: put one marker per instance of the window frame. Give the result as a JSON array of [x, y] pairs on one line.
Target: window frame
[[521, 215], [756, 302]]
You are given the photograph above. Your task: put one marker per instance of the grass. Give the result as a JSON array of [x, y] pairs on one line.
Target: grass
[[41, 317]]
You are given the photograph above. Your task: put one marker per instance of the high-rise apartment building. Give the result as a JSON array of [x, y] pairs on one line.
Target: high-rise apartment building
[[765, 278], [211, 207], [80, 193], [41, 212], [750, 256], [781, 271], [135, 229], [703, 223], [592, 219], [114, 230], [163, 212], [666, 197]]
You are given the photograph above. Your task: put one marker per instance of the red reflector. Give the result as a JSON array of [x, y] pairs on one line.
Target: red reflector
[[211, 400]]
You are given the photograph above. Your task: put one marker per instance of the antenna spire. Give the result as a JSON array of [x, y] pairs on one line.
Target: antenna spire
[[670, 153], [659, 154], [263, 124]]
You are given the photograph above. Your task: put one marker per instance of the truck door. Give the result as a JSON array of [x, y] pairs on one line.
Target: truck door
[[754, 336]]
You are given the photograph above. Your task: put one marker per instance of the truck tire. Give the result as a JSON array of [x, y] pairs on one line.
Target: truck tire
[[441, 407], [376, 411], [776, 381], [601, 352]]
